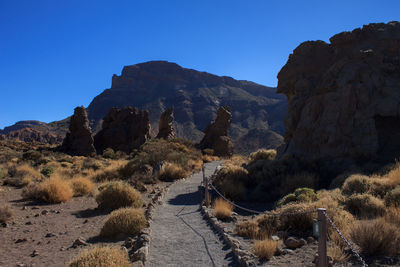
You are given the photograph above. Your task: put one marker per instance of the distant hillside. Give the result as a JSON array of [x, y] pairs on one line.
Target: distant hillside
[[195, 96]]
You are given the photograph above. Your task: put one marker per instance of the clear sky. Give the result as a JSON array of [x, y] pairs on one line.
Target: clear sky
[[58, 54]]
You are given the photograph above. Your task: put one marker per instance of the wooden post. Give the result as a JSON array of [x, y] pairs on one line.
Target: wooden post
[[206, 192], [322, 252]]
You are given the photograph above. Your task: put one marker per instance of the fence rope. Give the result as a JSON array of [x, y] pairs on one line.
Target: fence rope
[[344, 239], [259, 212]]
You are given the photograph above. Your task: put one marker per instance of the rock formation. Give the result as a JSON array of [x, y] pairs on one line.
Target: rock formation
[[216, 134], [30, 135], [79, 140], [123, 130], [166, 127], [344, 97]]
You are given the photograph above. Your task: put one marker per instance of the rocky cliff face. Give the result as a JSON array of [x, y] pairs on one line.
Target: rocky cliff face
[[195, 96], [166, 126], [30, 135], [123, 130], [344, 97], [79, 139]]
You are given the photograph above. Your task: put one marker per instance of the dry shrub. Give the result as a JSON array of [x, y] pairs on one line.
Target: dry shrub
[[109, 173], [128, 221], [101, 257], [337, 253], [265, 249], [5, 213], [392, 198], [22, 175], [196, 164], [267, 225], [231, 181], [52, 190], [297, 220], [394, 174], [262, 154], [376, 237], [365, 206], [392, 216], [292, 182], [247, 229], [208, 158], [356, 184], [115, 195], [300, 195], [236, 160], [171, 172], [222, 209], [380, 187], [81, 186]]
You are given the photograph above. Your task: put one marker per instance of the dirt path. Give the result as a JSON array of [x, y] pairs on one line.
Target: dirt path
[[180, 236]]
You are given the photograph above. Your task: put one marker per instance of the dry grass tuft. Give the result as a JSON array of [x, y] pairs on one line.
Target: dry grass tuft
[[231, 181], [209, 158], [171, 172], [115, 195], [297, 222], [265, 249], [365, 206], [337, 253], [22, 175], [394, 174], [101, 257], [247, 229], [357, 184], [222, 209], [392, 198], [5, 213], [128, 221], [376, 237], [262, 154], [52, 190], [393, 216], [81, 186]]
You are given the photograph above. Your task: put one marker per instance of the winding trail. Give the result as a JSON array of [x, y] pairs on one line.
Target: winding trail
[[179, 235]]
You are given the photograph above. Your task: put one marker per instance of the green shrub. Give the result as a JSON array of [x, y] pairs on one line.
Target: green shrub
[[299, 180], [356, 184], [47, 171], [128, 221], [365, 206], [300, 195], [101, 257], [392, 198], [262, 154], [109, 153], [115, 195]]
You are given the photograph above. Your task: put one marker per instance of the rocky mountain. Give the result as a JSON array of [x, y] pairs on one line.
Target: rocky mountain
[[344, 97], [195, 96]]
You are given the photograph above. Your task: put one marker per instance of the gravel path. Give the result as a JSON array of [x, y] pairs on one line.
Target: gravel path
[[179, 235]]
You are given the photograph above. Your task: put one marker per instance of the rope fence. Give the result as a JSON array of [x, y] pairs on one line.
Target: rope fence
[[323, 218]]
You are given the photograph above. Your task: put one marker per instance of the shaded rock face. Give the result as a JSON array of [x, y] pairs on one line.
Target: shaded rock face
[[344, 97], [195, 96], [166, 127], [216, 134], [123, 130], [30, 135], [79, 140]]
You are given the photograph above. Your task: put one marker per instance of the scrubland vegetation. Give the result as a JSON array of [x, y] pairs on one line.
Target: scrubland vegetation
[[101, 256], [365, 207]]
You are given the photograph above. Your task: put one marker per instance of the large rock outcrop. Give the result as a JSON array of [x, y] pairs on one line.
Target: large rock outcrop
[[79, 139], [123, 130], [344, 97], [216, 134], [166, 127]]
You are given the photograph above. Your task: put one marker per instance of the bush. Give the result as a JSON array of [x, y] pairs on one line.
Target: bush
[[5, 213], [262, 154], [297, 222], [380, 187], [109, 153], [392, 198], [300, 195], [208, 151], [365, 206], [171, 172], [222, 209], [115, 195], [267, 225], [22, 175], [52, 190], [247, 229], [47, 171], [394, 174], [265, 249], [32, 155], [101, 257], [291, 182], [231, 181], [357, 184], [392, 216], [376, 237], [126, 221], [81, 186]]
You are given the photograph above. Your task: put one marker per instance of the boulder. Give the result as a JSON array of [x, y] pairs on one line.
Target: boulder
[[216, 134], [344, 97], [293, 243], [166, 127], [123, 130], [79, 140]]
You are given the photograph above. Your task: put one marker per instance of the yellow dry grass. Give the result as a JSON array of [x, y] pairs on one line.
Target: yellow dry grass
[[101, 257], [209, 158], [23, 175], [127, 221], [81, 186], [222, 209], [171, 171], [118, 194], [394, 174], [247, 229], [52, 190], [265, 249]]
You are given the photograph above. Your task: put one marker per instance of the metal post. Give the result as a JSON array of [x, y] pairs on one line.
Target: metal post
[[206, 192], [322, 253]]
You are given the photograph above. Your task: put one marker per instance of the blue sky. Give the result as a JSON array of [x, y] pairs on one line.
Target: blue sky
[[56, 55]]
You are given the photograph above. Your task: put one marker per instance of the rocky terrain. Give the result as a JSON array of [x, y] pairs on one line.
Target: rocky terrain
[[344, 96]]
